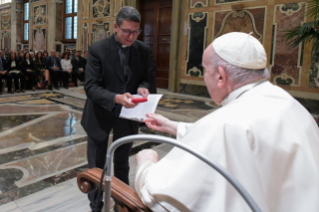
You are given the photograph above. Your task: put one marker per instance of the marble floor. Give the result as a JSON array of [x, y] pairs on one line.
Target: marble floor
[[43, 146]]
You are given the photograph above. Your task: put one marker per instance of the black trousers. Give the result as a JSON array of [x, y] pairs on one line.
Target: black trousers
[[96, 153], [32, 77], [76, 74], [65, 78], [16, 77], [7, 76], [55, 77]]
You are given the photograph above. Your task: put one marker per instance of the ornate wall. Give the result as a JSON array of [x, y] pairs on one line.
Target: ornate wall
[[38, 25], [5, 29], [96, 19], [205, 20]]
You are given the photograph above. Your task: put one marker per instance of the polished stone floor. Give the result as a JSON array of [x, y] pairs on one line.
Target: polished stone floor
[[43, 146]]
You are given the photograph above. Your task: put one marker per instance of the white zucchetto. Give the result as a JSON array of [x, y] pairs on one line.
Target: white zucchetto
[[241, 50]]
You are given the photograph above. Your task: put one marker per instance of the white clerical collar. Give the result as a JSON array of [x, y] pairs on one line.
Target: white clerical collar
[[239, 91]]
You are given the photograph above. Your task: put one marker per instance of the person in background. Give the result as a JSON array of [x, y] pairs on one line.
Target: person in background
[[21, 55], [45, 55], [32, 56], [78, 64], [4, 74], [14, 69], [27, 68], [42, 71], [67, 69], [55, 69], [278, 167], [58, 55], [71, 55]]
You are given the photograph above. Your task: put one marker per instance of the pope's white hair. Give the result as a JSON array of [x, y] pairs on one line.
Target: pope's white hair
[[237, 75]]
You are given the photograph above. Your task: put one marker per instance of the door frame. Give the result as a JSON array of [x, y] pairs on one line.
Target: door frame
[[175, 59]]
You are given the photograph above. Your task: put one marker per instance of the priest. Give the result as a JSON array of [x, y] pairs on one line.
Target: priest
[[260, 134]]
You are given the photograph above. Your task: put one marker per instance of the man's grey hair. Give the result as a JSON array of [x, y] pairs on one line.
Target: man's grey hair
[[128, 13], [237, 75]]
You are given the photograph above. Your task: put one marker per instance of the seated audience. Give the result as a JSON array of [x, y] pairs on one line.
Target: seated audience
[[78, 64], [4, 74], [261, 135], [13, 68], [67, 69], [42, 71], [55, 69], [28, 69]]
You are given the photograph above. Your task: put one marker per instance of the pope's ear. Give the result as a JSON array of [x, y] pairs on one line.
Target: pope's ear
[[221, 77]]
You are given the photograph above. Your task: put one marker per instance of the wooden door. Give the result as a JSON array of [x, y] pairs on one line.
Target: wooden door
[[156, 25]]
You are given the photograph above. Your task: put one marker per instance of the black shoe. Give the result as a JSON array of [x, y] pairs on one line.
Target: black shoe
[[50, 88], [57, 87], [46, 84], [66, 87]]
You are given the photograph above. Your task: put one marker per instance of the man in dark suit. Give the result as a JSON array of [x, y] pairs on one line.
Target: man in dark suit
[[115, 69], [54, 66], [78, 68], [4, 74]]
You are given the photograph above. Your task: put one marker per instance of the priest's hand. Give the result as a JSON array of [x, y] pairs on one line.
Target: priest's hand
[[143, 92], [125, 100], [146, 155], [160, 123]]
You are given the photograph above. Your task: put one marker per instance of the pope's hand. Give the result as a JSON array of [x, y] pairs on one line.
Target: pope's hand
[[160, 123], [143, 92], [146, 155], [125, 100]]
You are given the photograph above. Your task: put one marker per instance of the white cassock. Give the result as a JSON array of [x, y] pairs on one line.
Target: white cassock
[[262, 136]]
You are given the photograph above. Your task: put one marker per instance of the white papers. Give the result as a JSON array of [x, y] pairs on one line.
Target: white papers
[[139, 112]]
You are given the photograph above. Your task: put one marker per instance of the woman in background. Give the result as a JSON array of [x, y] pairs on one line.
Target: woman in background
[[27, 68], [41, 70], [67, 69], [14, 69]]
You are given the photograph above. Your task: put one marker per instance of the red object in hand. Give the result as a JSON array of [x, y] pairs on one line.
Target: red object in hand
[[138, 100]]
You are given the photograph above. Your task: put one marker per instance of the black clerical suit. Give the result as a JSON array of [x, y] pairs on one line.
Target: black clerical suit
[[105, 77]]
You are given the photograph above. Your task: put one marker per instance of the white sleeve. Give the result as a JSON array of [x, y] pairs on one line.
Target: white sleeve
[[182, 128], [144, 193]]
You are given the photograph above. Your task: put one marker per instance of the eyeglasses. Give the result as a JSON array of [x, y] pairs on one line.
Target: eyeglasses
[[127, 32]]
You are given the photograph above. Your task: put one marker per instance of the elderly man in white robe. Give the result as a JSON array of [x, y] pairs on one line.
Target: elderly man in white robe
[[261, 135]]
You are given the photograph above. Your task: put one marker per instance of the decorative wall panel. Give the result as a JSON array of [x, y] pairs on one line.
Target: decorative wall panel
[[100, 31], [248, 20], [6, 40], [39, 39], [6, 21], [19, 26], [59, 22], [196, 43], [86, 9], [118, 4], [39, 14], [85, 37], [198, 3], [285, 65], [100, 8], [19, 6]]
